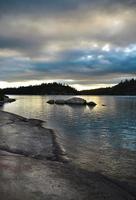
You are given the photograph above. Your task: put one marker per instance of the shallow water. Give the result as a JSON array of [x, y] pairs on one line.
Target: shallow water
[[101, 139]]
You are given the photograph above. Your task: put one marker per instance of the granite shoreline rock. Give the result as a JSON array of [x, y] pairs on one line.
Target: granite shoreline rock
[[31, 168], [27, 137]]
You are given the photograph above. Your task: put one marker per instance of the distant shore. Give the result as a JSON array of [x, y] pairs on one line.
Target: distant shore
[[127, 87], [34, 164]]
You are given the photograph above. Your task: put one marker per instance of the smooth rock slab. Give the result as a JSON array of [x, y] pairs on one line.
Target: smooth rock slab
[[26, 178], [23, 136], [23, 177]]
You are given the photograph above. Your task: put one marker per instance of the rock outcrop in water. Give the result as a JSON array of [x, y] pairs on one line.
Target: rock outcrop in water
[[51, 101], [72, 101], [60, 101], [76, 101], [6, 99], [91, 103]]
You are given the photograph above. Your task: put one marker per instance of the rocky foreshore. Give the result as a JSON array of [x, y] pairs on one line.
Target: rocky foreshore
[[33, 167]]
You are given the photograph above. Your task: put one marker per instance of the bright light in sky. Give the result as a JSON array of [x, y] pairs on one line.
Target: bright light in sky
[[95, 45], [117, 23], [106, 47], [92, 86]]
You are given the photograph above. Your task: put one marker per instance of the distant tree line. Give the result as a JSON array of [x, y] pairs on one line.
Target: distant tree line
[[127, 87], [49, 89]]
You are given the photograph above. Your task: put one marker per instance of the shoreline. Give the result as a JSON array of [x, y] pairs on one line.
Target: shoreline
[[33, 154], [59, 154]]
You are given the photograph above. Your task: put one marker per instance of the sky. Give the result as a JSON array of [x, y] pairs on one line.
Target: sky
[[84, 43]]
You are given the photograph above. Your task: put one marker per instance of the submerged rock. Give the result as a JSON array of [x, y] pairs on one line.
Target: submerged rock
[[76, 101], [91, 103]]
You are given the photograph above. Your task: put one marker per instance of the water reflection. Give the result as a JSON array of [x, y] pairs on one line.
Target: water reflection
[[102, 138]]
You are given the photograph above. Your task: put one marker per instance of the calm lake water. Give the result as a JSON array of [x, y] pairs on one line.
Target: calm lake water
[[101, 139]]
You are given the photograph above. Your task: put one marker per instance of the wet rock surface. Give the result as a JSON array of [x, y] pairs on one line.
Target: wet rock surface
[[24, 177]]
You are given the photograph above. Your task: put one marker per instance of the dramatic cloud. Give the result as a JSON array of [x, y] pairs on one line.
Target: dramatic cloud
[[84, 43]]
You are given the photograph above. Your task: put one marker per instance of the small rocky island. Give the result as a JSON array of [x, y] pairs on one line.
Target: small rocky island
[[72, 101]]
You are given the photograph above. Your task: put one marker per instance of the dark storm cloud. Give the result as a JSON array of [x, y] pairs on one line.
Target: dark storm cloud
[[78, 40], [91, 63], [19, 43], [95, 67], [18, 6]]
